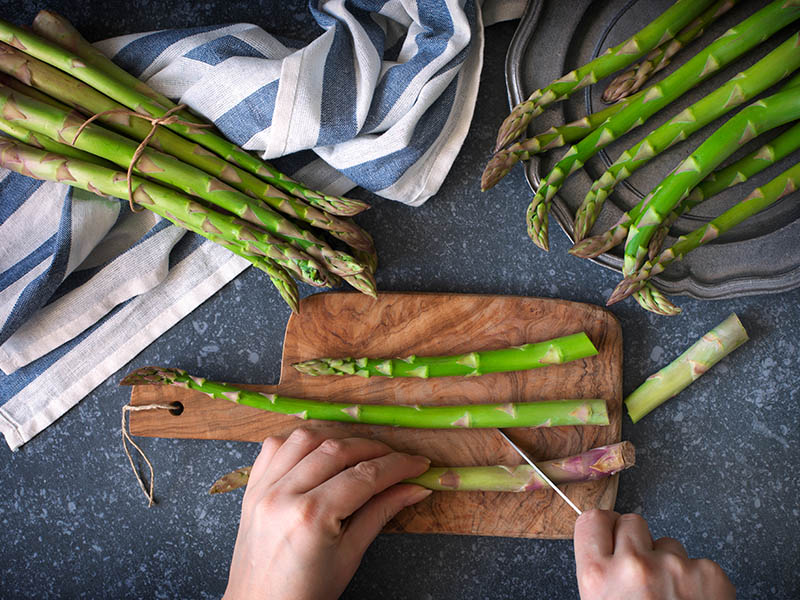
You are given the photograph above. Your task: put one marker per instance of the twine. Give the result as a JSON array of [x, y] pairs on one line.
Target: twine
[[167, 119], [126, 438]]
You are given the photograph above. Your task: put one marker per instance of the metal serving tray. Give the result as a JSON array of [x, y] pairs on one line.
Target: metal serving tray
[[759, 256]]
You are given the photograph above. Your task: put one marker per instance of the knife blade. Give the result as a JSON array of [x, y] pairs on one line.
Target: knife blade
[[540, 473]]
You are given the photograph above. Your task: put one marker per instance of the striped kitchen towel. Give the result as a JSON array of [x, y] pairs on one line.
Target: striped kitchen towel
[[382, 99]]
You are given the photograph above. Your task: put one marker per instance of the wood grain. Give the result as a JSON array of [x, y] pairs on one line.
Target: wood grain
[[399, 324]]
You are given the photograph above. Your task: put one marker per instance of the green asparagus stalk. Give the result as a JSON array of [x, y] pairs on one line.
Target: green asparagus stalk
[[166, 202], [705, 63], [721, 179], [91, 67], [632, 80], [735, 173], [784, 184], [675, 377], [593, 464], [524, 414], [651, 299], [57, 124], [517, 358], [504, 159], [80, 96], [45, 143], [750, 122], [656, 33], [739, 89]]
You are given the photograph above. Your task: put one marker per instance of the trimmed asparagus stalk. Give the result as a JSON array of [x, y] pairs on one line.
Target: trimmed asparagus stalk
[[649, 298], [721, 179], [632, 80], [503, 160], [705, 63], [675, 377], [87, 65], [739, 89], [784, 184], [593, 464], [166, 202], [518, 358], [657, 32], [750, 122], [523, 414]]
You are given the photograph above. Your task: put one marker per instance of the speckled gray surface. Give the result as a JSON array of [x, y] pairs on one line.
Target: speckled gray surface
[[717, 467]]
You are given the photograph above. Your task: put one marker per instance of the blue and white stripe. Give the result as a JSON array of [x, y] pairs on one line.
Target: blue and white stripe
[[382, 98]]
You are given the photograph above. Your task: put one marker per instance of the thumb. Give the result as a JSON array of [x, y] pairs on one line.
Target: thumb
[[366, 523]]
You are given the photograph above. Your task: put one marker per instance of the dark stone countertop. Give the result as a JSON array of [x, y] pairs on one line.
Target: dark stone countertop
[[716, 467]]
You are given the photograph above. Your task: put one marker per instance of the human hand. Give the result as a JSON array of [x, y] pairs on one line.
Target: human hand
[[616, 557], [311, 508]]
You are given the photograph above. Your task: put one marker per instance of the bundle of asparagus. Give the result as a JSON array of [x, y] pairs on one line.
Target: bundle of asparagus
[[646, 225], [593, 464], [141, 147]]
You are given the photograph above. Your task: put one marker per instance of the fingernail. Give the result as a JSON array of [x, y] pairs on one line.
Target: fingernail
[[417, 495], [424, 459]]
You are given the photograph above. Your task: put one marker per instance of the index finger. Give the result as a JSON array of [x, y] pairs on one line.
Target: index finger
[[594, 535], [348, 491]]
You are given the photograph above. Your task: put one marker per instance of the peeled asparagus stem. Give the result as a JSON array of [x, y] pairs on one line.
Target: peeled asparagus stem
[[522, 414], [676, 376], [593, 464], [529, 356]]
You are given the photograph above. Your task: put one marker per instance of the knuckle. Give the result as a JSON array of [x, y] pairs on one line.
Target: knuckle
[[708, 568], [592, 576], [675, 565], [332, 447], [638, 571], [366, 471], [302, 436]]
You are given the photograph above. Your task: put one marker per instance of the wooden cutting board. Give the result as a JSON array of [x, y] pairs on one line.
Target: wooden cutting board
[[399, 324]]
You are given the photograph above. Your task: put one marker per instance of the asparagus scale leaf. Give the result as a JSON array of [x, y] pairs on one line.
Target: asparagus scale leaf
[[680, 373], [661, 29], [518, 358], [591, 465], [521, 414]]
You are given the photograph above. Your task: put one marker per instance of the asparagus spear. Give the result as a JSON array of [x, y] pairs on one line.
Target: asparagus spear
[[751, 121], [739, 89], [657, 32], [784, 184], [45, 143], [166, 202], [524, 414], [649, 298], [57, 124], [737, 172], [518, 358], [90, 67], [89, 101], [722, 51], [593, 464], [632, 80], [699, 358], [504, 159]]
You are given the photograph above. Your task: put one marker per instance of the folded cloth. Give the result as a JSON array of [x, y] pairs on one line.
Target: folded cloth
[[383, 99]]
